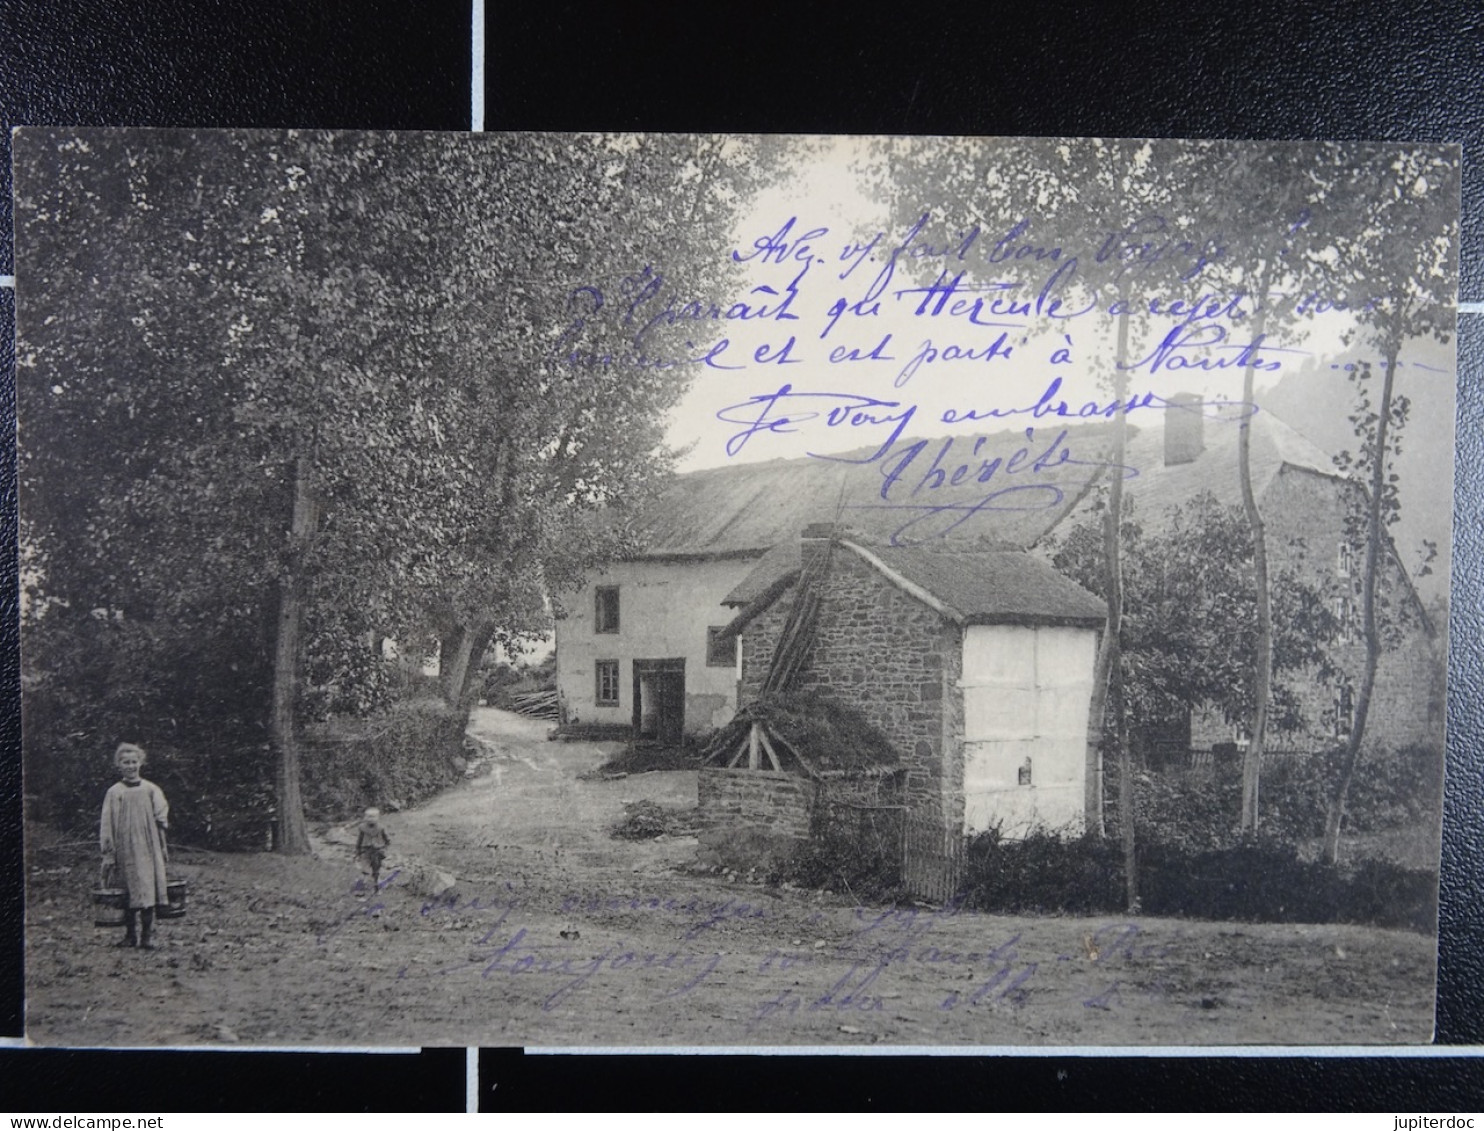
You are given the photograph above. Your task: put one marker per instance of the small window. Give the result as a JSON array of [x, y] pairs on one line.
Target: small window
[[1345, 618], [1344, 710], [607, 683], [721, 652], [1345, 562], [605, 611]]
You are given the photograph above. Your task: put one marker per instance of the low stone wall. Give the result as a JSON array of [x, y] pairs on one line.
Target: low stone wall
[[749, 818]]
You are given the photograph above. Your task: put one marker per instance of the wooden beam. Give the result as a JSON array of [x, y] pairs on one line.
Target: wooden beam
[[752, 760], [768, 749], [737, 757]]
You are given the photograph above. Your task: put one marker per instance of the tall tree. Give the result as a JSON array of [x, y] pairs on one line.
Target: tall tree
[[1101, 226], [299, 372], [1401, 261], [1254, 192]]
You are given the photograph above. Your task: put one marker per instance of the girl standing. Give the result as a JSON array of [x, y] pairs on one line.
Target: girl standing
[[131, 835]]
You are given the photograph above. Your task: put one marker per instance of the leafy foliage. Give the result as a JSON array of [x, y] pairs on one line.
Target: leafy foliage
[[1189, 629], [404, 753], [1249, 880], [406, 317]]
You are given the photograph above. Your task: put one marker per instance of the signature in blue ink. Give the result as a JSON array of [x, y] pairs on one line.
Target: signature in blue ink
[[961, 462]]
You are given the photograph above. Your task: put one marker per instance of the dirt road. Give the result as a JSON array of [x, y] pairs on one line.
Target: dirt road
[[555, 933]]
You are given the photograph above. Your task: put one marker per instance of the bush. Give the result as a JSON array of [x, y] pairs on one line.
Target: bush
[[1043, 872], [1392, 790], [1254, 880], [405, 753], [646, 820], [855, 851]]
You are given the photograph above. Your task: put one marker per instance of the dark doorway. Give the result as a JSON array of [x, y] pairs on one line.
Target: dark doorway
[[659, 700]]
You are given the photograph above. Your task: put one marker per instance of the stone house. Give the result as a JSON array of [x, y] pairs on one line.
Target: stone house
[[977, 666], [1304, 502], [642, 648]]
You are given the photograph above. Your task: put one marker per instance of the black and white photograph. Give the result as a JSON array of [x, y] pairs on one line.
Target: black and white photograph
[[724, 591]]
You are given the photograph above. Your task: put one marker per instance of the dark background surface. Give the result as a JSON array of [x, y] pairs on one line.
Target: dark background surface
[[1379, 70]]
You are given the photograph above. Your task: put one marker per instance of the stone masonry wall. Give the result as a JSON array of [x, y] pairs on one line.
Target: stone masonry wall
[[889, 655], [749, 818]]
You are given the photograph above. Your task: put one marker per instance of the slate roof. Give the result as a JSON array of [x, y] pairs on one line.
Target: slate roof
[[977, 586], [995, 587], [746, 509]]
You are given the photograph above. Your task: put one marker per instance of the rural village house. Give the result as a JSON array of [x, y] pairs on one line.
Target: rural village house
[[966, 649]]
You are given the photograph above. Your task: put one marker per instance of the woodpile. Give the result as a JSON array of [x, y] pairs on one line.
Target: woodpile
[[536, 704]]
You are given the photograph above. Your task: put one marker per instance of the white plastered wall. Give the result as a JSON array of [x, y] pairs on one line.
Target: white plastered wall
[[1027, 692], [665, 608]]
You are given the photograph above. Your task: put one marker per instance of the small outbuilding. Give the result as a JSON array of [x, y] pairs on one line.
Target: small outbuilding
[[975, 666]]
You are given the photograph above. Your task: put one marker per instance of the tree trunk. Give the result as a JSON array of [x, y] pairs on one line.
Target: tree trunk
[[1113, 586], [293, 835], [454, 647], [459, 656], [1335, 819], [1094, 818], [1125, 791], [1262, 683]]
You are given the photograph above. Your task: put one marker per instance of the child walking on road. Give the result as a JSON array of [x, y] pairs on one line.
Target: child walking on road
[[371, 844], [131, 836]]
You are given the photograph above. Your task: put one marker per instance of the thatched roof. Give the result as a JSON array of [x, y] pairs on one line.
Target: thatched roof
[[821, 736]]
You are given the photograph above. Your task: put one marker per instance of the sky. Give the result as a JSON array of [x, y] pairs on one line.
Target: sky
[[823, 200]]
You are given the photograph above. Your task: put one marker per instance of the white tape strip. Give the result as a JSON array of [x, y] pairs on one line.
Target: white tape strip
[[476, 70]]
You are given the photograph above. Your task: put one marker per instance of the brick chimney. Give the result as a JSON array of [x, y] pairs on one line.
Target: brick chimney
[[1184, 429]]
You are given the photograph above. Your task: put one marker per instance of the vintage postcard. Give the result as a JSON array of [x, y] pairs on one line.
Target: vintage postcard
[[660, 590]]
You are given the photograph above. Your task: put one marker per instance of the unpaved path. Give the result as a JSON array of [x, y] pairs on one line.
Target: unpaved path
[[555, 933]]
